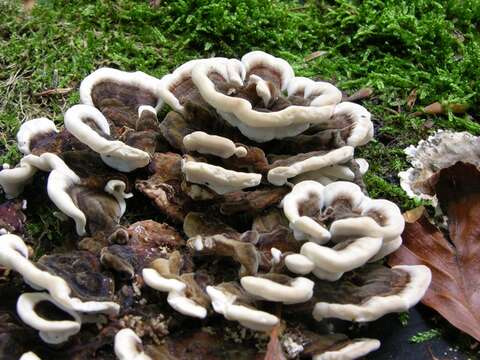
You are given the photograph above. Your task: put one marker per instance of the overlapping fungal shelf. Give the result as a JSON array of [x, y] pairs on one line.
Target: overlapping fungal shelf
[[261, 218]]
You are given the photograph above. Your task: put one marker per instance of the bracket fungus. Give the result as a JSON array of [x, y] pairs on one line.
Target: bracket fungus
[[282, 170], [75, 181], [30, 130], [14, 255], [247, 93], [217, 178], [132, 249], [361, 228], [91, 128], [211, 144], [29, 356], [441, 150], [228, 301], [54, 330], [128, 346], [386, 291], [119, 95], [352, 350], [261, 208], [184, 294], [279, 288], [223, 245]]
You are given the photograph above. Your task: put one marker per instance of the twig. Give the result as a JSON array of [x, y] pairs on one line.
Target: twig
[[314, 55], [58, 91]]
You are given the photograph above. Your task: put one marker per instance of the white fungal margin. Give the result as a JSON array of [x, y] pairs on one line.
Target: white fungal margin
[[29, 356], [320, 93], [256, 125], [303, 226], [224, 303], [218, 179], [169, 81], [356, 349], [354, 255], [176, 289], [298, 290], [279, 175], [128, 346], [116, 188], [362, 127], [373, 230], [29, 129], [377, 306], [137, 78], [14, 255], [50, 331], [60, 179], [212, 144], [114, 153]]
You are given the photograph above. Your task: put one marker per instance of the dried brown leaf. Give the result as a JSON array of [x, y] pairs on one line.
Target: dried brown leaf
[[453, 259], [458, 108], [58, 91], [413, 215], [361, 94], [434, 108], [28, 5], [437, 108], [315, 54], [411, 99]]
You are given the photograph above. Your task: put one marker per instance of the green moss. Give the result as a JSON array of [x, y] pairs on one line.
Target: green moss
[[403, 318], [391, 46], [424, 336]]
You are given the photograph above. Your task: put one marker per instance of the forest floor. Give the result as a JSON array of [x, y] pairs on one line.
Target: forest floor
[[409, 54]]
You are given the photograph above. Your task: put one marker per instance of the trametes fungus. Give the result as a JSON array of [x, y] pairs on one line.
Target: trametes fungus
[[279, 288], [441, 150], [245, 140], [339, 212], [228, 300], [386, 291], [164, 276], [223, 245], [328, 174], [128, 346], [212, 144], [14, 255], [31, 129], [61, 178], [218, 179], [29, 356], [119, 94], [91, 128], [248, 94], [40, 311], [352, 350], [71, 193], [283, 170]]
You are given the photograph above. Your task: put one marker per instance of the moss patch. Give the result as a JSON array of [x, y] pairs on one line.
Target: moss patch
[[393, 47]]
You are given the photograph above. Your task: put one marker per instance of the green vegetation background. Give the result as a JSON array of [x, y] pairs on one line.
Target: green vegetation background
[[393, 47]]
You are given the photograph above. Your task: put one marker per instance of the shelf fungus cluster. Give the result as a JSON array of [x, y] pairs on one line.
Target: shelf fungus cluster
[[440, 151], [249, 217], [359, 228]]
